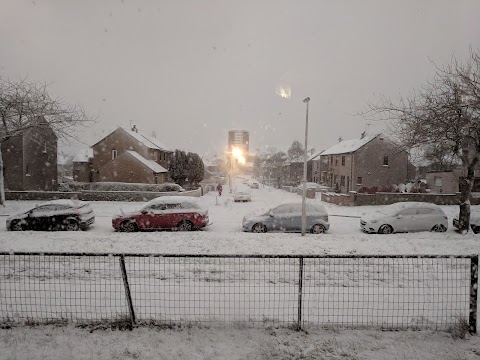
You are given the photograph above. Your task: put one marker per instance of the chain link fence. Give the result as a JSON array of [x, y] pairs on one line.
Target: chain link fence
[[383, 292]]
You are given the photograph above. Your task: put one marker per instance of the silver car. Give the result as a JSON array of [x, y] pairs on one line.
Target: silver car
[[288, 218]]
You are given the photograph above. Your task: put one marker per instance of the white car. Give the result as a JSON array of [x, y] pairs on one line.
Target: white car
[[405, 217], [474, 219], [315, 186], [241, 195]]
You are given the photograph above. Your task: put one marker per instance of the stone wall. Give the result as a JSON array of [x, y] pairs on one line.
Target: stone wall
[[381, 198]]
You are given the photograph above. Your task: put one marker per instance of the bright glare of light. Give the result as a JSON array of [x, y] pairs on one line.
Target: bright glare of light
[[238, 155], [284, 91]]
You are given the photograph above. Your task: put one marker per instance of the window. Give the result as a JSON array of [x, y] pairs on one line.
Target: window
[[114, 154], [331, 160], [425, 211], [385, 161], [336, 160], [155, 156], [408, 212], [438, 181], [27, 170], [359, 180], [343, 160], [342, 180]]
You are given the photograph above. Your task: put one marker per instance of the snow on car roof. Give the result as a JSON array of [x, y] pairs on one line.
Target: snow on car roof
[[174, 200], [66, 202], [412, 204]]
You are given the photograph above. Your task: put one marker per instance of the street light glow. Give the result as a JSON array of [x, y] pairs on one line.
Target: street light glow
[[238, 155]]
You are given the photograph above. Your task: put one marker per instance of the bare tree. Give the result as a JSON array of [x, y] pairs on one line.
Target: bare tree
[[444, 112], [25, 105], [296, 157]]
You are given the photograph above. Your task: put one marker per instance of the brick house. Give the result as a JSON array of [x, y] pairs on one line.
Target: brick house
[[30, 159], [365, 162], [82, 166], [129, 156]]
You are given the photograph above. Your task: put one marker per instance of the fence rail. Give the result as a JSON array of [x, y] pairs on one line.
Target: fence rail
[[348, 291]]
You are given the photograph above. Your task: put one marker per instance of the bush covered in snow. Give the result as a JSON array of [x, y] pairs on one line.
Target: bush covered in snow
[[118, 186]]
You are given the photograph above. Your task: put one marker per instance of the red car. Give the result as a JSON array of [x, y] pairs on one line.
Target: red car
[[183, 213]]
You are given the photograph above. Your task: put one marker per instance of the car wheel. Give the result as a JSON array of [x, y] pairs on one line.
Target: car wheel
[[72, 226], [128, 226], [318, 229], [16, 226], [439, 228], [185, 226], [475, 229], [385, 229], [259, 228]]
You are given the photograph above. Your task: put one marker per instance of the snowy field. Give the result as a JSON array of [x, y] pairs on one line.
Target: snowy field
[[225, 236]]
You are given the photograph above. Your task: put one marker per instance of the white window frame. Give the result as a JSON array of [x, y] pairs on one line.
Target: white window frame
[[438, 180]]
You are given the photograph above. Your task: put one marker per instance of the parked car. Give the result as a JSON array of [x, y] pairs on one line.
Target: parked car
[[315, 186], [241, 194], [405, 217], [183, 213], [65, 214], [474, 219], [254, 185], [288, 218]]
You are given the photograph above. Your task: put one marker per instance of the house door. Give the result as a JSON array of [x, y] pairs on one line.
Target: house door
[[348, 184]]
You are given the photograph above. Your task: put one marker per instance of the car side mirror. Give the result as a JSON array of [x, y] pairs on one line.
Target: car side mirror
[[144, 211]]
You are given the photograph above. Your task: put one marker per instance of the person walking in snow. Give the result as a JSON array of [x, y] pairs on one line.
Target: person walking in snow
[[219, 189]]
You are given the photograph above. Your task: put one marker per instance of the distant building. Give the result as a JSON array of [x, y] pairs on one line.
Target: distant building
[[239, 139]]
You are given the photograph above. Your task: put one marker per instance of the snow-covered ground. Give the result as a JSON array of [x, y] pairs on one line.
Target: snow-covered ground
[[225, 236]]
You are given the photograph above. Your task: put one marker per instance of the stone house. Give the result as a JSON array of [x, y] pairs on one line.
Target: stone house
[[30, 159], [365, 162], [129, 156]]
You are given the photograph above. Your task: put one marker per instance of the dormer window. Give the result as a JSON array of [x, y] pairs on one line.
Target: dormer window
[[114, 154]]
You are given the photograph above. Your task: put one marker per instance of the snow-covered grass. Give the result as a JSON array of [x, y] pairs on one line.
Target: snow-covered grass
[[51, 342]]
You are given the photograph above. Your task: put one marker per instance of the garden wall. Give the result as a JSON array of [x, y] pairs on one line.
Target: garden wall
[[382, 198], [96, 195]]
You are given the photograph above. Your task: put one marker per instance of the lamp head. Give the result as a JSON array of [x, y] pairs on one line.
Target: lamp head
[[306, 100]]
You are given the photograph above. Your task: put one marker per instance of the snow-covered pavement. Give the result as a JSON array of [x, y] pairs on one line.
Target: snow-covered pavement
[[225, 235]]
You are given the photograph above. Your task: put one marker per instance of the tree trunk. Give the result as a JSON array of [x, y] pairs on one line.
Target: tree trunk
[[466, 185], [2, 184]]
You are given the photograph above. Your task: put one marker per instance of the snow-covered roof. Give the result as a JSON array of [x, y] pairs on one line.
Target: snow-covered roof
[[146, 140], [84, 155], [152, 165], [348, 146]]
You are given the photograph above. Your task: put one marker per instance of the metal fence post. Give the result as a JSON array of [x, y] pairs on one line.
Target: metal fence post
[[300, 286], [473, 294], [127, 289]]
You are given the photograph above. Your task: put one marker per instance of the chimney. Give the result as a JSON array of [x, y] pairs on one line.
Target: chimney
[[134, 128], [340, 139], [363, 135]]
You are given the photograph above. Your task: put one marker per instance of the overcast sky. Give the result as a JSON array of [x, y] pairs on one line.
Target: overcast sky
[[191, 70]]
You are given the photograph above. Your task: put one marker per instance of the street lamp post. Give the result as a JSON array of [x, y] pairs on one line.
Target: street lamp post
[[304, 194]]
